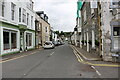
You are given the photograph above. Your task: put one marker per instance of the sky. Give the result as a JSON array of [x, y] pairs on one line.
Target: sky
[[61, 13]]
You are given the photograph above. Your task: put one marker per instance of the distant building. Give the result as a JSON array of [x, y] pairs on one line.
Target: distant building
[[38, 31], [45, 27], [17, 26]]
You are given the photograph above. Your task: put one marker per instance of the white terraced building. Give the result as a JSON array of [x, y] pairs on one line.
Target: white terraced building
[[17, 26]]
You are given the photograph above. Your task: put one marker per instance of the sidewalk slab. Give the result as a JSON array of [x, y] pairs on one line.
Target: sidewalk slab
[[92, 58], [7, 57], [86, 55]]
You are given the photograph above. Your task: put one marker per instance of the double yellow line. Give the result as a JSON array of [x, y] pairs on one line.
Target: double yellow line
[[18, 57], [88, 63]]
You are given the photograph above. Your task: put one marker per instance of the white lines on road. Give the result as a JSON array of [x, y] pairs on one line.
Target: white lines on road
[[52, 53], [96, 70]]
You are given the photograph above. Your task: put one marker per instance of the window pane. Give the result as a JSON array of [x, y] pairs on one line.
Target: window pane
[[30, 40], [6, 40], [116, 31], [3, 8], [19, 14], [26, 39], [13, 40]]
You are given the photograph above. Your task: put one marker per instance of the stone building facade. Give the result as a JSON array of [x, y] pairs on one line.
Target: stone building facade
[[90, 28], [101, 28]]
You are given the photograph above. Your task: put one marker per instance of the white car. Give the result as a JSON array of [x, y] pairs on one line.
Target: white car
[[48, 45]]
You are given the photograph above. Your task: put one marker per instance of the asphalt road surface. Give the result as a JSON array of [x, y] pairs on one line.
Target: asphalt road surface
[[52, 63]]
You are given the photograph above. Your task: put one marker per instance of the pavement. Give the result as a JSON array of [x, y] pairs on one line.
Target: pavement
[[11, 56], [92, 59], [87, 55], [61, 62]]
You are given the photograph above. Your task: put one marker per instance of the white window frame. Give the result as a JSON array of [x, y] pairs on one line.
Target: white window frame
[[92, 10], [28, 39], [24, 16], [31, 21], [27, 18], [85, 15], [3, 9], [12, 11], [20, 10]]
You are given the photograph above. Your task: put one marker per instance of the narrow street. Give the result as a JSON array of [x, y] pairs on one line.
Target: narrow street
[[53, 63]]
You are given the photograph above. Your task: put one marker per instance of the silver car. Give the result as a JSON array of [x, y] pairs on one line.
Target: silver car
[[48, 45]]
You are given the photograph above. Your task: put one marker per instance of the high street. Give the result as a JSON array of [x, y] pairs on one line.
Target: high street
[[60, 62]]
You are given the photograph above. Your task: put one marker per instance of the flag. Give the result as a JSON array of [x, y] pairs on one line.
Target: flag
[[79, 6]]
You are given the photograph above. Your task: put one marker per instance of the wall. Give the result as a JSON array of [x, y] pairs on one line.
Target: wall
[[106, 30], [44, 34]]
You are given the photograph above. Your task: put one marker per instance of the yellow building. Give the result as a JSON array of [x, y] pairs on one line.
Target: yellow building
[[44, 27]]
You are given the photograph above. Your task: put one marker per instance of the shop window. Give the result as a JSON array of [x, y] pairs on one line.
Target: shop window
[[116, 31], [28, 39], [9, 39], [13, 40], [6, 40]]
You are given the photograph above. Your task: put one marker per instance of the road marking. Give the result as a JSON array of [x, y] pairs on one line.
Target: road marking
[[85, 62], [96, 70], [17, 57], [52, 53]]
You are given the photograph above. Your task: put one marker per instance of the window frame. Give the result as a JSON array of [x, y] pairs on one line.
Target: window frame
[[20, 11], [85, 15], [13, 11], [24, 16], [31, 21], [3, 9], [27, 18], [28, 39]]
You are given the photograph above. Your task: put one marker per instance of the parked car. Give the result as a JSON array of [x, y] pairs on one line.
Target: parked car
[[48, 45], [55, 43]]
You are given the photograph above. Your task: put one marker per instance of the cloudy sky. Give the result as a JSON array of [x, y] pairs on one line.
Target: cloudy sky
[[61, 13]]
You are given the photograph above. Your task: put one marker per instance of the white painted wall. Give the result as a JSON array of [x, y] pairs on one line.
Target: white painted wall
[[7, 18], [23, 5]]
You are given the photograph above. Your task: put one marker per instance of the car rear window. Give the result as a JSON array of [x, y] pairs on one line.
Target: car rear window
[[47, 43]]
